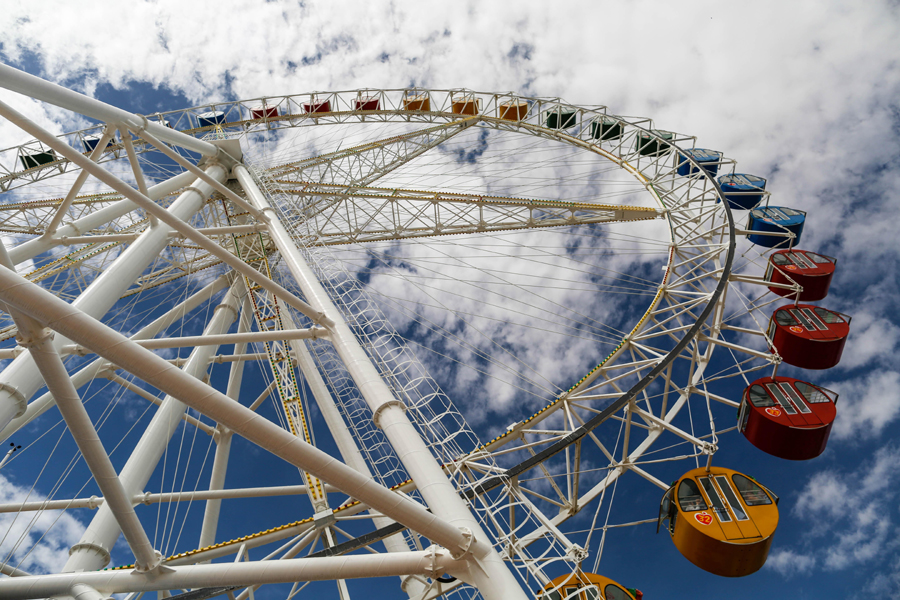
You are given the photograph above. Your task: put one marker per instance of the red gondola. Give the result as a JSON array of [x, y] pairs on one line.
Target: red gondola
[[812, 271], [263, 112], [367, 103], [317, 106], [809, 337], [787, 417]]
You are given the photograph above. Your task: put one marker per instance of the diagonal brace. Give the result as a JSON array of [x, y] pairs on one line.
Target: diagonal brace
[[39, 342], [41, 305]]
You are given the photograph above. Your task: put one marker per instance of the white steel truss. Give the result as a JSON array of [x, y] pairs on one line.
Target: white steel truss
[[495, 511]]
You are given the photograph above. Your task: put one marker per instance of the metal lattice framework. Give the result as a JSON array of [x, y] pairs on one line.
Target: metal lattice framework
[[287, 239]]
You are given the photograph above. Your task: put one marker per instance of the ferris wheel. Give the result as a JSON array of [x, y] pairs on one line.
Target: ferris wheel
[[470, 328]]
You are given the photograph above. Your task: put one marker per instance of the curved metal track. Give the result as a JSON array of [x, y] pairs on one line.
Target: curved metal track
[[333, 199]]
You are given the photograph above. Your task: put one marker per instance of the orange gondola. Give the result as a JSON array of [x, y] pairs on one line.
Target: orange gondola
[[786, 417], [587, 586], [720, 520]]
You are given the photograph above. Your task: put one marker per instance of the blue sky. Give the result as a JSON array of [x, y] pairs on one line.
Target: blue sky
[[804, 94]]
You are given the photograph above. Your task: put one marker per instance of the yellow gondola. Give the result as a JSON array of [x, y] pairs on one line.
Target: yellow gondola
[[720, 520], [587, 586]]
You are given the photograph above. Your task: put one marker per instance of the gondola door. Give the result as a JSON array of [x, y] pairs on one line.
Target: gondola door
[[727, 519], [796, 410]]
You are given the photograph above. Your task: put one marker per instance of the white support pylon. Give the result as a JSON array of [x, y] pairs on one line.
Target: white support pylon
[[20, 379], [345, 443], [96, 367], [223, 436], [493, 579], [91, 552]]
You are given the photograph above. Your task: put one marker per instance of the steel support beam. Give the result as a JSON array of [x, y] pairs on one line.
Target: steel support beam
[[95, 368], [155, 498], [493, 579], [226, 339], [223, 435], [103, 531], [82, 429], [39, 341], [20, 379], [35, 87], [430, 563], [111, 345], [345, 442]]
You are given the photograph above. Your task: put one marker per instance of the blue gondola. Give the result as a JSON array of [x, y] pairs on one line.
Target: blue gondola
[[210, 118], [775, 219], [742, 191], [708, 159], [90, 142]]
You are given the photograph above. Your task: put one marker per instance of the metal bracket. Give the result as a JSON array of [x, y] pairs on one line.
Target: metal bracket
[[17, 397], [27, 341], [156, 566], [464, 550], [576, 553], [324, 518], [88, 546], [377, 414]]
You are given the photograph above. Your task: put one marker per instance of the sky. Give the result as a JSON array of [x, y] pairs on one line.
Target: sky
[[802, 93]]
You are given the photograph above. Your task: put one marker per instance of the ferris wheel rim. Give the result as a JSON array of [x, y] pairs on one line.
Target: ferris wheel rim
[[687, 337]]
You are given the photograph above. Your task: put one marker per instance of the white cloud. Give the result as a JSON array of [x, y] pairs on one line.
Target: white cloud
[[867, 405], [790, 563], [885, 583], [35, 542], [851, 517], [872, 341]]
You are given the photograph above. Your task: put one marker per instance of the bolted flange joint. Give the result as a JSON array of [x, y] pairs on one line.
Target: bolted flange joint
[[90, 547], [17, 397], [34, 337], [435, 570], [576, 553], [139, 129], [157, 561], [376, 416], [465, 549]]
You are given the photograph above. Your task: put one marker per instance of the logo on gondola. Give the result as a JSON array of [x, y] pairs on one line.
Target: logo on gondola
[[704, 518], [768, 219], [797, 329], [774, 412], [790, 267]]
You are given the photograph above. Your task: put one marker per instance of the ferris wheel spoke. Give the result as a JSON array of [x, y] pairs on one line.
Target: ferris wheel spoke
[[380, 214], [101, 212], [365, 164], [650, 381]]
